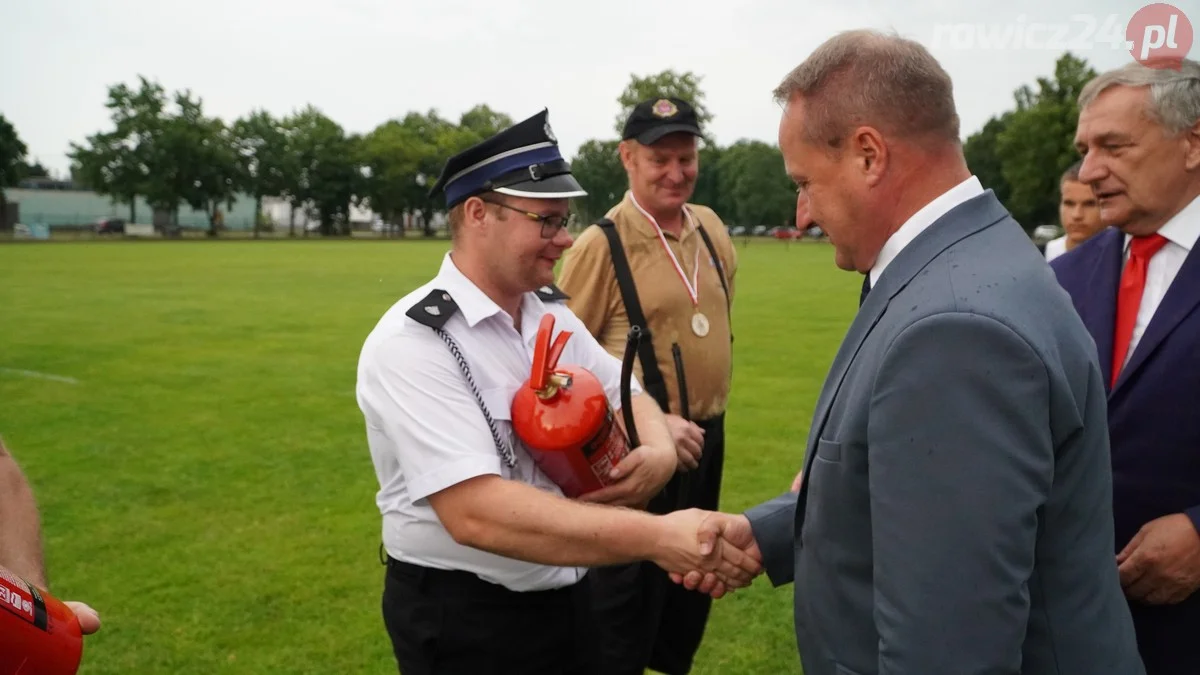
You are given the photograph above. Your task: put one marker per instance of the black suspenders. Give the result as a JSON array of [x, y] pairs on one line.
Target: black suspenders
[[653, 379]]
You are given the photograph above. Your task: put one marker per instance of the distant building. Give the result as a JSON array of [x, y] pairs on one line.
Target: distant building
[[278, 212], [61, 204]]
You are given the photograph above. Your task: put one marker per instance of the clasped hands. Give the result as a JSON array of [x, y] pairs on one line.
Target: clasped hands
[[708, 551]]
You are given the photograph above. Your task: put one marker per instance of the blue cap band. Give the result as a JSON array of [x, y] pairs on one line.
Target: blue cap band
[[474, 180]]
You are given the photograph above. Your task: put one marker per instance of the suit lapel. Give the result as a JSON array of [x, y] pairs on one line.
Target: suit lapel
[[1180, 301], [868, 315], [960, 222], [1098, 307]]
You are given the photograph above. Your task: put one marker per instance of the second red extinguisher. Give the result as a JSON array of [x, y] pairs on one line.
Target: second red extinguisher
[[39, 635]]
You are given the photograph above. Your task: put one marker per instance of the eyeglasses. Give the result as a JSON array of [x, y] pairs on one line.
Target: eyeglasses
[[551, 224]]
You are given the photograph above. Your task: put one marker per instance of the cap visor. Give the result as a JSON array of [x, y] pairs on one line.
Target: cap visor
[[653, 135], [554, 187]]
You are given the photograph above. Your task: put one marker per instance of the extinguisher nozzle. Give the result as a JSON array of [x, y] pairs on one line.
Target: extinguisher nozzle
[[631, 347]]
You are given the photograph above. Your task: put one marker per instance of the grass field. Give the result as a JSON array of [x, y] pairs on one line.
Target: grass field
[[203, 476]]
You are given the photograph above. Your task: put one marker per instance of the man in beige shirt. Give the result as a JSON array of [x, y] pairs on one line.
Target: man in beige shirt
[[678, 265]]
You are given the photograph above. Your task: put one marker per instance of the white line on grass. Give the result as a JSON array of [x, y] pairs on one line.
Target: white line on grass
[[40, 376]]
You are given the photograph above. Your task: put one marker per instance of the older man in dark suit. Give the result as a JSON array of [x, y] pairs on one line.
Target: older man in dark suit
[[1137, 287]]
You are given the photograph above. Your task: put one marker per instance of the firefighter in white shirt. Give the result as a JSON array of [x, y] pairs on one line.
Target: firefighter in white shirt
[[484, 553]]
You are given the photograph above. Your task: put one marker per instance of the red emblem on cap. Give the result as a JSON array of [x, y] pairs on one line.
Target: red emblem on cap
[[664, 108]]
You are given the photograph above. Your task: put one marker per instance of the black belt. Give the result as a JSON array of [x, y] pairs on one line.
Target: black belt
[[459, 581]]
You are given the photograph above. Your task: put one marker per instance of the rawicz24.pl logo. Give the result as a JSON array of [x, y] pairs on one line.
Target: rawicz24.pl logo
[[1154, 33]]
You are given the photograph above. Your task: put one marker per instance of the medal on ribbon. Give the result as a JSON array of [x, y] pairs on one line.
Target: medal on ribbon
[[700, 324]]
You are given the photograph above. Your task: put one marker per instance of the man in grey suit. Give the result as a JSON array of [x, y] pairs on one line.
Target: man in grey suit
[[954, 515]]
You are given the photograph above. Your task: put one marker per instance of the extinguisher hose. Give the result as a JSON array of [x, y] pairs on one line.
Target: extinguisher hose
[[631, 346], [685, 479]]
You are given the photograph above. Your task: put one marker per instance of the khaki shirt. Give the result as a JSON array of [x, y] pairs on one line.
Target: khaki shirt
[[589, 278]]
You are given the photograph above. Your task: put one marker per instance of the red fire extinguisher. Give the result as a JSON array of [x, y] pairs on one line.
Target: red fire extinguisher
[[39, 635], [563, 416]]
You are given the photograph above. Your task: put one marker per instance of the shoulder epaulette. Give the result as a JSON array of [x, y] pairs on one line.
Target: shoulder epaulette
[[434, 310], [551, 293]]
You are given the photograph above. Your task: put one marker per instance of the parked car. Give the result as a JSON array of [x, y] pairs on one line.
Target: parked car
[[110, 226], [1044, 233]]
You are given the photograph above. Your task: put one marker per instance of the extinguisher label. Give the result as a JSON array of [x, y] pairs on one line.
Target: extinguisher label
[[606, 449], [22, 599]]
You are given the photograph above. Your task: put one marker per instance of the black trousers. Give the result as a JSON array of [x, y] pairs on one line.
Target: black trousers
[[644, 619], [454, 623]]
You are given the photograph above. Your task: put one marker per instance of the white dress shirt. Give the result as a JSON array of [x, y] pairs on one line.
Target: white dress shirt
[[1181, 232], [1056, 247], [921, 220], [426, 431]]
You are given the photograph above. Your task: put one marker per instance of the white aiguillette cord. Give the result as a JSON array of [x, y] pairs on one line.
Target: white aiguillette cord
[[692, 287]]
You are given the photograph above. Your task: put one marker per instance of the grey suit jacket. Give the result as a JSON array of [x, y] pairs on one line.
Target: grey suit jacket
[[955, 516]]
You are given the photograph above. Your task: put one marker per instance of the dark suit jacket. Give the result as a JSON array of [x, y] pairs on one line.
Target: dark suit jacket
[[956, 512], [1154, 423]]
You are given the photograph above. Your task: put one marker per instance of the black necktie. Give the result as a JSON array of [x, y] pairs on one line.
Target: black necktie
[[866, 288]]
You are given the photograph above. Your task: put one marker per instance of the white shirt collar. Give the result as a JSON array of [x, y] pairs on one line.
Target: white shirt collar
[[921, 220], [476, 306], [1183, 229]]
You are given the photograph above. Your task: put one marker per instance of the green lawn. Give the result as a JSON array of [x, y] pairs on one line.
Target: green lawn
[[203, 476]]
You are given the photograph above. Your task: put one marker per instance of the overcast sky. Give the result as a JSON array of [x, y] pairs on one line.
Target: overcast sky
[[365, 61]]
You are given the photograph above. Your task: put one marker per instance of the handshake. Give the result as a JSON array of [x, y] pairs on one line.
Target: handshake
[[708, 551]]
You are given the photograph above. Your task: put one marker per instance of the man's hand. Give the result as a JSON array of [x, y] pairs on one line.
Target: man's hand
[[89, 620], [695, 547], [638, 477], [1161, 564], [796, 482], [734, 531], [689, 441]]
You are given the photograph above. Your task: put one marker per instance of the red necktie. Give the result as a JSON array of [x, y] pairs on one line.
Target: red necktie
[[1129, 297]]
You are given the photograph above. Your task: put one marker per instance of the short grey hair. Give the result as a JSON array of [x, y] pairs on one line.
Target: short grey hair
[[866, 77], [1174, 100]]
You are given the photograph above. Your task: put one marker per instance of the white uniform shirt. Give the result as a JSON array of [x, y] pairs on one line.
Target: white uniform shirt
[[426, 431], [1181, 232]]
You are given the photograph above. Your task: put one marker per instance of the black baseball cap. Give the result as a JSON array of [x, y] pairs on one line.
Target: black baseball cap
[[654, 118]]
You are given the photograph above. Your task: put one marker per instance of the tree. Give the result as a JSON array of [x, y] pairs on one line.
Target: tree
[[484, 122], [192, 160], [754, 185], [983, 157], [391, 154], [667, 83], [33, 170], [12, 164], [265, 161], [597, 167], [116, 163], [404, 156], [328, 172], [1036, 144], [708, 182]]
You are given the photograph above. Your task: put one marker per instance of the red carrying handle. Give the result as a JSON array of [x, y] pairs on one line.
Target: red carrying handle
[[556, 349], [545, 355], [541, 348]]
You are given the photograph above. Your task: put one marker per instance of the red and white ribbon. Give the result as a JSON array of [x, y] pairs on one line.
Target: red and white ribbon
[[692, 286]]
